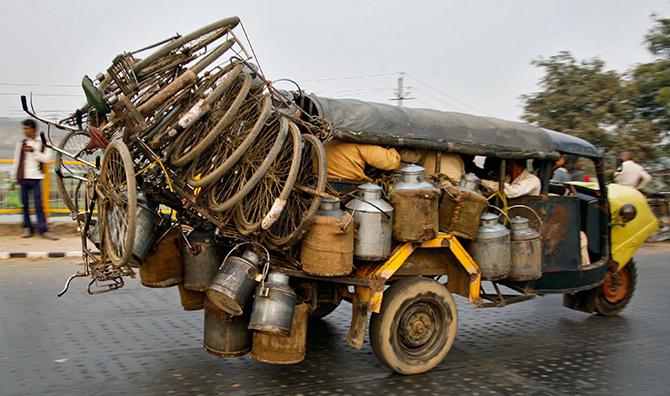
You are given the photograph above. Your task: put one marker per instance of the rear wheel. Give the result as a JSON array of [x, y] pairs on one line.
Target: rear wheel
[[415, 327], [616, 291]]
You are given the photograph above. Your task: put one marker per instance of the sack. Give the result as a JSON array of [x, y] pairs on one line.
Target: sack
[[12, 200]]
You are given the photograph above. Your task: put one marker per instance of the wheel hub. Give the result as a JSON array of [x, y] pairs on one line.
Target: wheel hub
[[418, 326], [615, 286]]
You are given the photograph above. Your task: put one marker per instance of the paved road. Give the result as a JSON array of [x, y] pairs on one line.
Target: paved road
[[138, 341]]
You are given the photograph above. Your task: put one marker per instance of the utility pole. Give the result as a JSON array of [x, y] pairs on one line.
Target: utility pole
[[401, 93]]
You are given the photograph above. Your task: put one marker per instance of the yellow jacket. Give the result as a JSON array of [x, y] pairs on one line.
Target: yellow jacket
[[347, 160]]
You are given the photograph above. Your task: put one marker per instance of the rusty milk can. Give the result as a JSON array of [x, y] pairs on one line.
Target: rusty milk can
[[415, 202], [201, 260], [163, 267], [526, 250], [191, 300], [491, 248], [274, 303], [327, 249], [278, 349], [235, 282], [225, 335], [373, 219], [146, 229], [460, 205]]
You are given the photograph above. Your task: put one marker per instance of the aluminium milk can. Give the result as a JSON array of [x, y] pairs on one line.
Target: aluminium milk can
[[225, 335], [163, 267], [277, 349], [415, 202], [201, 260], [274, 304], [460, 206], [526, 250], [146, 229], [327, 249], [235, 282], [373, 219], [491, 248]]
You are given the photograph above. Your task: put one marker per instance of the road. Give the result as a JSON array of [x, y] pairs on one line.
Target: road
[[138, 341]]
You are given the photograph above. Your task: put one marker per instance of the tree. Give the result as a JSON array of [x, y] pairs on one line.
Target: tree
[[615, 112]]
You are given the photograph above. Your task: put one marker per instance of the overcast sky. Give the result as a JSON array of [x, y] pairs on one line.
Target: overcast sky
[[468, 56]]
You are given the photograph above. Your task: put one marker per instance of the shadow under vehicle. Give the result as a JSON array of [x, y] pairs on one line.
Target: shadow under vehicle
[[413, 317]]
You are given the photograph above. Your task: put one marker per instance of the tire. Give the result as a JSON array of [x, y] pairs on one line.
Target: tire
[[616, 291], [322, 310], [73, 142], [415, 327]]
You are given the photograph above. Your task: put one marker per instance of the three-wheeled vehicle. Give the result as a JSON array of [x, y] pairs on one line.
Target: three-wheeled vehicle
[[589, 234]]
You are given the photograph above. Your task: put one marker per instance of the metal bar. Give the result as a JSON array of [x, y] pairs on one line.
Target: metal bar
[[347, 280]]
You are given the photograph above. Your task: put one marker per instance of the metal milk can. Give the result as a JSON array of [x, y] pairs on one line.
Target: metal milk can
[[526, 250], [273, 306], [327, 249], [491, 249], [201, 260], [146, 229], [415, 202], [225, 335], [373, 219], [235, 282], [460, 205]]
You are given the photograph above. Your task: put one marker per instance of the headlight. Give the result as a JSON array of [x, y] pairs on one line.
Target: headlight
[[627, 212]]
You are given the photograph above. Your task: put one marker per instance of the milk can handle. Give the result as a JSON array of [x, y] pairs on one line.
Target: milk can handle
[[371, 204], [537, 216], [267, 254], [501, 212]]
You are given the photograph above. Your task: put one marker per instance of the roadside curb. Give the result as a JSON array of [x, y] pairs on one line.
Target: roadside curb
[[11, 255]]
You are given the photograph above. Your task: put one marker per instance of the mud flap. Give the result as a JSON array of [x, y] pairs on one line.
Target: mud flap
[[581, 301], [359, 322]]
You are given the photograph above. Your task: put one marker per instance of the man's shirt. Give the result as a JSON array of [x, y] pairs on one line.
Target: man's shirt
[[32, 162], [632, 174]]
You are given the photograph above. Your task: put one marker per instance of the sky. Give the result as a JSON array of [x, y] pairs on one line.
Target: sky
[[466, 56]]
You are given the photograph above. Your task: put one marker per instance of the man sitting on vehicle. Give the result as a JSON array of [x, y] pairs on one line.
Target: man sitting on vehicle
[[630, 173], [347, 161], [518, 181]]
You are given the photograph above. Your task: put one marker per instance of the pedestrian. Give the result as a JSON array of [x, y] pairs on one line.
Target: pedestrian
[[630, 173], [29, 159], [560, 173]]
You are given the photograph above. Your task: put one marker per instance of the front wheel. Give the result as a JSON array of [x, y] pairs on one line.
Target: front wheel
[[616, 291], [415, 327]]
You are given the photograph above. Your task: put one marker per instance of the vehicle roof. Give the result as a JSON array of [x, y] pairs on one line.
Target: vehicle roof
[[377, 123]]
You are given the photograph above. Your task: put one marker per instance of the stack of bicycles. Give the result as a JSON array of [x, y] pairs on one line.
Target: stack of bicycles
[[190, 130]]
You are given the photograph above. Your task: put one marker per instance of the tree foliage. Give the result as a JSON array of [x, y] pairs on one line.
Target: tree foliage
[[629, 111]]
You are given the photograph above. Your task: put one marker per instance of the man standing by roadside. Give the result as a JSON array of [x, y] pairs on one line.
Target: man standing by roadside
[[29, 158], [630, 173]]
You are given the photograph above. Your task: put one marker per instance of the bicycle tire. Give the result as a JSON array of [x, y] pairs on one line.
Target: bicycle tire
[[243, 190], [110, 185], [227, 23], [71, 204], [316, 157], [249, 221]]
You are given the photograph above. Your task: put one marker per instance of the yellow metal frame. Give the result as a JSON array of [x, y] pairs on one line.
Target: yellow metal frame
[[378, 274]]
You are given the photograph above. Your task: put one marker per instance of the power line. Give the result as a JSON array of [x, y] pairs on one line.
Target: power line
[[41, 94], [40, 85], [442, 101], [349, 77], [445, 95]]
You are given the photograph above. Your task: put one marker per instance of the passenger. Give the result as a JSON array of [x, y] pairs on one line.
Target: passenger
[[521, 182], [575, 167], [560, 175], [347, 161], [450, 164], [630, 173]]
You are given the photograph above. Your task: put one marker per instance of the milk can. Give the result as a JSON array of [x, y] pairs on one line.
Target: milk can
[[491, 248], [201, 260], [277, 349], [526, 250], [146, 229], [460, 205], [273, 306], [225, 335], [373, 219], [415, 202], [235, 282], [164, 267], [327, 249]]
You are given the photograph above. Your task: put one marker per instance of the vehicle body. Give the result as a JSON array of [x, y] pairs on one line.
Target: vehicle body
[[615, 219]]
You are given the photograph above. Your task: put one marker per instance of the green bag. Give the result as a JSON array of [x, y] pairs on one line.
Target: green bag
[[12, 200]]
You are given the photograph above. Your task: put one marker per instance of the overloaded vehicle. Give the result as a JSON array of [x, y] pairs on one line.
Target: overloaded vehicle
[[188, 166]]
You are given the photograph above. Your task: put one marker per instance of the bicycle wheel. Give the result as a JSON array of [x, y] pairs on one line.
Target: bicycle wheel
[[266, 201], [192, 41], [71, 173], [305, 198], [248, 172], [117, 203]]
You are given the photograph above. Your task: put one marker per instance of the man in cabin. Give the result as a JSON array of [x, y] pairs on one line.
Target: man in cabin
[[347, 161], [519, 181], [29, 158], [630, 173]]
